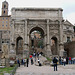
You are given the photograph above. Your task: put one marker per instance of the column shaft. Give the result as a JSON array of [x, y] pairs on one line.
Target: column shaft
[[61, 45], [48, 41]]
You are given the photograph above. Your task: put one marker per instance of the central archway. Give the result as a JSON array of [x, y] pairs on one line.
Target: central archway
[[36, 40]]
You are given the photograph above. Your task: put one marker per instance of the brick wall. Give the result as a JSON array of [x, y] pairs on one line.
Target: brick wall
[[70, 48]]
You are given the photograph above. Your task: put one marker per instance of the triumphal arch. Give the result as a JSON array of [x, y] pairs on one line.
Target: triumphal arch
[[49, 21]]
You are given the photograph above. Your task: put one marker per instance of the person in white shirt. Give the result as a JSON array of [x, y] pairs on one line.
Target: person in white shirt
[[64, 61]]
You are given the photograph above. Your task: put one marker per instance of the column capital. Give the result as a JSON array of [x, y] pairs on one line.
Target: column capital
[[61, 44], [47, 21]]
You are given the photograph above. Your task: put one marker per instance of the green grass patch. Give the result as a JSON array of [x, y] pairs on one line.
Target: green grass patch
[[48, 59], [6, 70]]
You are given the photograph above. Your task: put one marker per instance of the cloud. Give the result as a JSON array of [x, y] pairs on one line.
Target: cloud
[[68, 6], [71, 17]]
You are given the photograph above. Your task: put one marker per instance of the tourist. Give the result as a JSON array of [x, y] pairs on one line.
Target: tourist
[[24, 61], [30, 56], [38, 54], [73, 60], [34, 54], [64, 61], [21, 61], [35, 58], [38, 60], [55, 63], [69, 60], [27, 62], [59, 60], [32, 61], [40, 64], [18, 61]]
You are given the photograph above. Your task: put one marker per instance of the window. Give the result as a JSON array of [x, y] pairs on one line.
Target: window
[[6, 25], [6, 18], [2, 25], [6, 21], [67, 27], [68, 39], [7, 41], [4, 6], [2, 21], [2, 41], [4, 11], [3, 18]]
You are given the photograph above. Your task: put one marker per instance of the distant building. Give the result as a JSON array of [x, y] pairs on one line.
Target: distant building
[[4, 24], [68, 31], [37, 35]]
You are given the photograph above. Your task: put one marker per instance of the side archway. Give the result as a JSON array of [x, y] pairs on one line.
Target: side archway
[[54, 46], [19, 45]]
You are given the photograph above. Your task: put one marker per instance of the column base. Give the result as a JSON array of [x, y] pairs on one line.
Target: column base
[[25, 53], [49, 54], [61, 53]]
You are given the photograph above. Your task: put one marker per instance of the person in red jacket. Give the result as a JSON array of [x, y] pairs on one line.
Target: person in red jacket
[[69, 60], [30, 56]]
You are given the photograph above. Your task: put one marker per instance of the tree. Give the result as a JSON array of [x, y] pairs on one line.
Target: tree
[[40, 43]]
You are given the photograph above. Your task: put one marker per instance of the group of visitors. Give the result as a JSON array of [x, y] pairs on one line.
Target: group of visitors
[[62, 61], [24, 62], [67, 60], [56, 60], [35, 56]]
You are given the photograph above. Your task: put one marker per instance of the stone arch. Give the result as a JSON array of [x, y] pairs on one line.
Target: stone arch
[[36, 27], [54, 45], [19, 45], [42, 34]]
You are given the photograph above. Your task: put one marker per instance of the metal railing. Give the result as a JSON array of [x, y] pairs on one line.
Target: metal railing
[[12, 71]]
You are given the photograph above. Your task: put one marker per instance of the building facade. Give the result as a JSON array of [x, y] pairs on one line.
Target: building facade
[[68, 30], [4, 26], [15, 30], [48, 21]]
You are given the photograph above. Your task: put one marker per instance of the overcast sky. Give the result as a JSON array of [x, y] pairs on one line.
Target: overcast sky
[[68, 6]]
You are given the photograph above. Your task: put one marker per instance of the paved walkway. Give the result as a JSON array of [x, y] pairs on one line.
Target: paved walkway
[[45, 70]]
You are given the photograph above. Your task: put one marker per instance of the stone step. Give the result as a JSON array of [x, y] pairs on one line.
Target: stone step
[[44, 73]]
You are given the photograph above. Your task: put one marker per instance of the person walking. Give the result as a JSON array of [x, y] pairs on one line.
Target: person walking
[[69, 60], [64, 61], [60, 60], [55, 63], [38, 60], [30, 56], [32, 61], [27, 62], [18, 61], [24, 61]]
